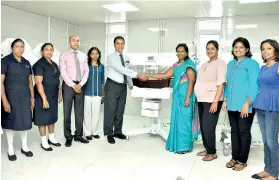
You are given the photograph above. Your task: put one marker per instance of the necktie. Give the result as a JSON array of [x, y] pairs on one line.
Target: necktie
[[122, 61], [78, 73]]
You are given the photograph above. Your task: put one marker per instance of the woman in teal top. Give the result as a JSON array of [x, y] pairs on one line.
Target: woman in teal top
[[180, 138], [240, 93], [94, 94]]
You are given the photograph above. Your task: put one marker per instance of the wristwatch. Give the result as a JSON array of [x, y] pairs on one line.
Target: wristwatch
[[215, 101]]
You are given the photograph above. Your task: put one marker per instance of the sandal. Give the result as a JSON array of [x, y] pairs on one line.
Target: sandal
[[231, 163], [202, 153], [239, 166], [210, 157]]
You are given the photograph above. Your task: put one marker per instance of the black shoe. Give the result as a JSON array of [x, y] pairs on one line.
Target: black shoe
[[46, 149], [28, 154], [12, 157], [256, 176], [88, 137], [111, 140], [68, 142], [96, 136], [120, 136], [54, 144], [80, 139]]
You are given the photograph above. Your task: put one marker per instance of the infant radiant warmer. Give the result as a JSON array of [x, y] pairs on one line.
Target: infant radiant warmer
[[152, 91]]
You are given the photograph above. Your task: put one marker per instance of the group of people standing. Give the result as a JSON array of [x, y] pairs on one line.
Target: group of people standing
[[240, 87], [78, 79]]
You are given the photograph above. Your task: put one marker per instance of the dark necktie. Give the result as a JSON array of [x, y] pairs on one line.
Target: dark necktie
[[122, 61]]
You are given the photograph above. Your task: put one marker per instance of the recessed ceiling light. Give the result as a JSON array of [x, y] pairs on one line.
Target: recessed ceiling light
[[120, 7], [246, 26], [255, 1]]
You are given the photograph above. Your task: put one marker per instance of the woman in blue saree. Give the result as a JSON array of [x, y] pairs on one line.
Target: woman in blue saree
[[180, 138]]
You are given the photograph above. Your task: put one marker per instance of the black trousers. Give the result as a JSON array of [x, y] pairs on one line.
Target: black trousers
[[240, 135], [69, 95], [114, 107], [208, 123]]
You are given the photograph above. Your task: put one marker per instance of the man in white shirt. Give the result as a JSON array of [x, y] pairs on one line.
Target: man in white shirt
[[118, 77]]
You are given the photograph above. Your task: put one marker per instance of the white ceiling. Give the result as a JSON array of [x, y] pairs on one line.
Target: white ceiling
[[86, 12]]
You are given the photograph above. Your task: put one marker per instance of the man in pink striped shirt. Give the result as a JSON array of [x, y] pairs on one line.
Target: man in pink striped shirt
[[74, 71]]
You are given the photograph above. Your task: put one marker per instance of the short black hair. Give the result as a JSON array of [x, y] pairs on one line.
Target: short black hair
[[15, 41], [117, 38], [183, 45], [215, 44], [90, 59], [46, 44], [275, 45], [245, 43]]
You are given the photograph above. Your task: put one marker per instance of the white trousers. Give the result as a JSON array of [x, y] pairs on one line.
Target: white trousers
[[92, 108]]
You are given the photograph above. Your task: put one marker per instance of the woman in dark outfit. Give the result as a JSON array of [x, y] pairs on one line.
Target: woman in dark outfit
[[17, 97], [47, 91]]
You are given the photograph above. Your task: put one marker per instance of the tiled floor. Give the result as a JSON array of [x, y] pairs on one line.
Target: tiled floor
[[140, 158]]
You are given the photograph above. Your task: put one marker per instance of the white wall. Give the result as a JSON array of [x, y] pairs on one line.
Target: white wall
[[140, 39], [266, 28], [34, 29], [93, 35], [59, 36], [178, 31]]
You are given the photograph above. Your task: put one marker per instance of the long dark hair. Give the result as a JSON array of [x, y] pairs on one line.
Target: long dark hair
[[185, 48], [90, 59], [275, 45], [245, 43]]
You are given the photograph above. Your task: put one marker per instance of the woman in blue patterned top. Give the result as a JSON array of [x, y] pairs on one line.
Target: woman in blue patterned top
[[239, 95], [267, 108], [94, 94]]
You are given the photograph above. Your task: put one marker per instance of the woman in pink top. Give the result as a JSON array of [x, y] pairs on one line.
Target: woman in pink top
[[209, 91]]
